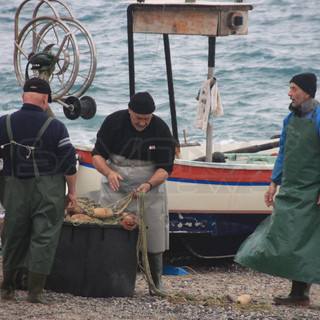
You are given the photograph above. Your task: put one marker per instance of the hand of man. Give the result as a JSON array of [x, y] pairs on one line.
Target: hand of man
[[145, 187], [268, 196], [113, 177], [70, 201]]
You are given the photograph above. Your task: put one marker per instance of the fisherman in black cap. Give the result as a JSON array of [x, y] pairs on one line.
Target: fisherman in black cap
[[134, 151], [38, 161], [286, 244]]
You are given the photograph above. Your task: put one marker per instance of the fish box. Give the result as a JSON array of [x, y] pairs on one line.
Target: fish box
[[95, 261]]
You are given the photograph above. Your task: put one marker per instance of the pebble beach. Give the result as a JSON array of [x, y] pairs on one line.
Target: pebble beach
[[219, 278]]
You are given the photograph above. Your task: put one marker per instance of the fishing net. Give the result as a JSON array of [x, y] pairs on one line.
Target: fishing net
[[88, 211]]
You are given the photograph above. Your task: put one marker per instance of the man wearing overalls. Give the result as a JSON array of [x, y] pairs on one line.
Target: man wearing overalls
[[38, 161], [135, 151], [286, 244]]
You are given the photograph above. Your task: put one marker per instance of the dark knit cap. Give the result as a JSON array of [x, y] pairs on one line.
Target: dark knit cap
[[38, 85], [142, 103], [307, 82]]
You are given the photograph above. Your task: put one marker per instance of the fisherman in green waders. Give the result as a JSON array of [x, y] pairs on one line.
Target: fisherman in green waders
[[38, 161], [286, 244]]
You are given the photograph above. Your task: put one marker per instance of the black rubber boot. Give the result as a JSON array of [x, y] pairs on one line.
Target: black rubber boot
[[22, 279], [36, 282], [8, 285], [155, 262], [299, 295]]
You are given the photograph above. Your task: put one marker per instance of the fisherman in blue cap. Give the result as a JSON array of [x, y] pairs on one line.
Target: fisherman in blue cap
[[286, 244]]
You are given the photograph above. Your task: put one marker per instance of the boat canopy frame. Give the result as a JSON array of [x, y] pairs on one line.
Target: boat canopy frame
[[187, 18]]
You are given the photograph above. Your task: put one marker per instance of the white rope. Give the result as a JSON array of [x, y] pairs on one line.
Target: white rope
[[30, 149]]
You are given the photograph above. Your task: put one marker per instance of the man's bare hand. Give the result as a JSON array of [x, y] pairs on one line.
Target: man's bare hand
[[113, 178], [70, 201], [145, 187], [269, 195]]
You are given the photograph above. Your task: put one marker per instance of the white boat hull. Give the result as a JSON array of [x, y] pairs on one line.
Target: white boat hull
[[205, 198]]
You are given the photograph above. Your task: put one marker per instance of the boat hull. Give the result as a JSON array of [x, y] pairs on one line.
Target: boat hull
[[217, 203]]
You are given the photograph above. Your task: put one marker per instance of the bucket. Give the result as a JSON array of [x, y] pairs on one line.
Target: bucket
[[95, 261]]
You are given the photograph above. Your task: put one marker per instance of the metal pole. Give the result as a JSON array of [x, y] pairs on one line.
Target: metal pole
[[170, 88], [211, 65], [130, 50]]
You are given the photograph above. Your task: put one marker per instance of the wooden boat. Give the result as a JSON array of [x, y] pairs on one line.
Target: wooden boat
[[213, 206]]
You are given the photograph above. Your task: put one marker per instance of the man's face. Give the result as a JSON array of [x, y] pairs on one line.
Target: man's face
[[297, 95], [140, 121]]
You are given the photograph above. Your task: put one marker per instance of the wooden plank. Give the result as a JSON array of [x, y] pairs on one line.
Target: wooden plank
[[191, 19], [175, 20]]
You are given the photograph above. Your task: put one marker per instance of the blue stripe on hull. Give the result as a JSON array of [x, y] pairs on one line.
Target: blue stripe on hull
[[220, 182]]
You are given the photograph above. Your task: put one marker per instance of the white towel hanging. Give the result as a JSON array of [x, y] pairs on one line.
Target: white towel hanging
[[209, 104]]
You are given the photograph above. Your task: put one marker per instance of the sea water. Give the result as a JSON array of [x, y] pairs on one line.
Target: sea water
[[253, 71]]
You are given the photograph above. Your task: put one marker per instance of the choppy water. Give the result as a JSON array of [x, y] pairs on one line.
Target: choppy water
[[253, 71]]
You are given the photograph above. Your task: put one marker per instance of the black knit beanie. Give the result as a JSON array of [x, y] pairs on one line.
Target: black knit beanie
[[307, 82], [38, 85], [142, 103]]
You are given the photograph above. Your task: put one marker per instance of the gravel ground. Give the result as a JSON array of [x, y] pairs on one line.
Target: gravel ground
[[214, 278]]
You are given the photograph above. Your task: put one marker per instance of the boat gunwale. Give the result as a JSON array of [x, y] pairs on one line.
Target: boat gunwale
[[232, 165], [224, 165]]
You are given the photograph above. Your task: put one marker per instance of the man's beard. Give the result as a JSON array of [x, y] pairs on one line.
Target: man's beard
[[295, 110], [139, 129]]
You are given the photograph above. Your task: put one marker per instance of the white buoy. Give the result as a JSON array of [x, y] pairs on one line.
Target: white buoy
[[244, 299]]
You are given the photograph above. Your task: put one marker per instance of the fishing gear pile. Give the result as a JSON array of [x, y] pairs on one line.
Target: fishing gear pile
[[87, 211]]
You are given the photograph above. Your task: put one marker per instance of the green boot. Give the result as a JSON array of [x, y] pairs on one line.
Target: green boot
[[36, 282], [155, 262], [8, 285], [299, 295]]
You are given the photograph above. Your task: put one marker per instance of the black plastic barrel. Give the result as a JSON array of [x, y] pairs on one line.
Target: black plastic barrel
[[95, 261]]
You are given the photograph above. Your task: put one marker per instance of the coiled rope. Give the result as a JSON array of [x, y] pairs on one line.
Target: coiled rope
[[181, 297]]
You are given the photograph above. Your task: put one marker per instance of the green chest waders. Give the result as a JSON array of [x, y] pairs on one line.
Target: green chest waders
[[34, 215], [286, 244]]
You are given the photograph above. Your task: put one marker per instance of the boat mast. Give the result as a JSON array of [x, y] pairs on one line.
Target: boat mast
[[171, 88], [211, 65], [130, 50]]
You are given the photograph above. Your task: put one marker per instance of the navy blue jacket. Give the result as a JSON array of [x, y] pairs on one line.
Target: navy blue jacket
[[54, 153]]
